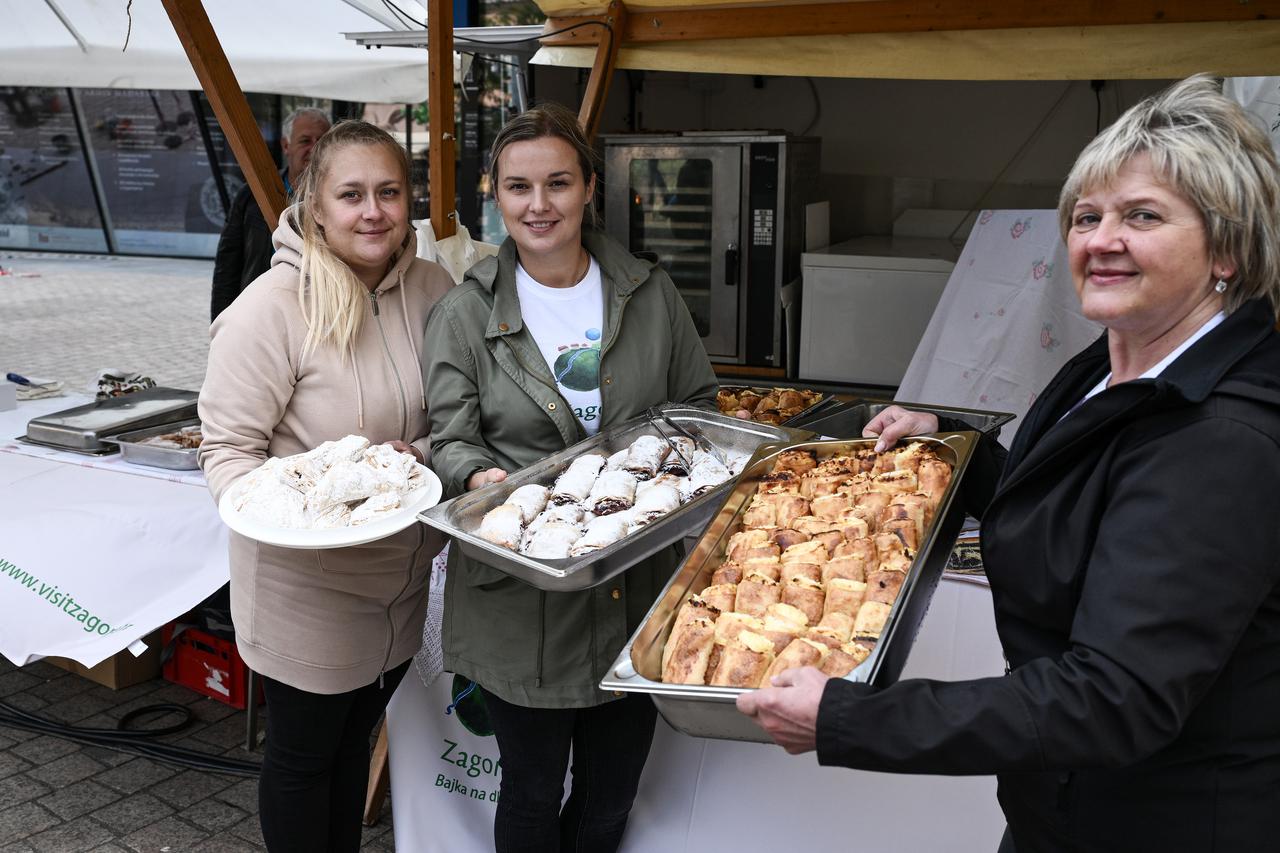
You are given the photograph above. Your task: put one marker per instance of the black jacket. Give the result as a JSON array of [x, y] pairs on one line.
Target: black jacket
[[244, 250], [1133, 550]]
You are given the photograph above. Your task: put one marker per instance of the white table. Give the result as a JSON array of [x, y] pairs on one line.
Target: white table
[[703, 795], [96, 553]]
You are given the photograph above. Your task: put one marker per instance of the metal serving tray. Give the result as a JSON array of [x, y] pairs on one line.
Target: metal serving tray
[[460, 517], [825, 402], [83, 428], [705, 711], [176, 459], [848, 420]]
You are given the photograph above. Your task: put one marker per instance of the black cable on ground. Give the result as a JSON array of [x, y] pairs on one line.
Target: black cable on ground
[[136, 741]]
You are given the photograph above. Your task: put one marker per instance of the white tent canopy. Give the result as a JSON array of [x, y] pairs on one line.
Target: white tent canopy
[[290, 47]]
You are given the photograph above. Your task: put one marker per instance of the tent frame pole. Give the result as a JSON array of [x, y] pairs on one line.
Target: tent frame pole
[[615, 22], [442, 150]]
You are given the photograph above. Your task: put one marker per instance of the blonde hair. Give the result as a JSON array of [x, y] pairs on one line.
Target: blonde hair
[[1206, 148], [331, 297]]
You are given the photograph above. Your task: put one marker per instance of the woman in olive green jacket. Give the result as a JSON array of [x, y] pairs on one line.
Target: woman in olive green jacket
[[496, 407]]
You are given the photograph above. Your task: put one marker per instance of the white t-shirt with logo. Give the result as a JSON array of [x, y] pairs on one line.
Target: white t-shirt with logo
[[567, 323]]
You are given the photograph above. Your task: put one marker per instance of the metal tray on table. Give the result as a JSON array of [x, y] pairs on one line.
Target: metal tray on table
[[460, 517], [173, 458], [704, 711], [847, 420], [82, 429]]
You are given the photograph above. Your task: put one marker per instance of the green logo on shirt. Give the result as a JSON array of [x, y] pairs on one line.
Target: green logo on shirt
[[578, 368]]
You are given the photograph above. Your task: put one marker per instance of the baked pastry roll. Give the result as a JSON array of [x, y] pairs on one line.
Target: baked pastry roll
[[691, 611], [846, 568], [340, 515], [870, 620], [654, 503], [872, 502], [680, 460], [853, 526], [789, 507], [706, 474], [721, 596], [900, 563], [615, 460], [532, 499], [844, 660], [744, 540], [502, 525], [767, 551], [905, 530], [831, 507], [769, 567], [729, 572], [934, 476], [601, 532], [895, 482], [755, 593], [888, 545], [884, 586], [908, 458], [730, 625], [779, 482], [690, 652], [784, 617], [798, 460], [761, 514], [843, 596], [827, 484], [574, 484], [744, 661], [824, 635], [812, 551], [806, 595], [786, 537], [613, 491], [345, 482], [553, 540], [799, 652], [793, 569], [644, 456], [842, 464], [810, 525], [838, 624]]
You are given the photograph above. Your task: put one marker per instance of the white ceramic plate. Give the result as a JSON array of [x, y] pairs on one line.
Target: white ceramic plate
[[422, 498]]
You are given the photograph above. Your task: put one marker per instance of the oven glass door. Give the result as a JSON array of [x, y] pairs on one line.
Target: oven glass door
[[682, 203]]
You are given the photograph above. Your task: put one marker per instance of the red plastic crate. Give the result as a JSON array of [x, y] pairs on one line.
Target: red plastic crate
[[208, 665]]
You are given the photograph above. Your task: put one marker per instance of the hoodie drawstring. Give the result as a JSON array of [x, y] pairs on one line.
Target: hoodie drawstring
[[413, 346], [355, 369]]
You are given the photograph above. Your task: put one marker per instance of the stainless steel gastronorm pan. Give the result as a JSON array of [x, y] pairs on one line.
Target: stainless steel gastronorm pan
[[825, 402], [848, 420], [82, 428], [177, 459], [460, 517], [709, 711]]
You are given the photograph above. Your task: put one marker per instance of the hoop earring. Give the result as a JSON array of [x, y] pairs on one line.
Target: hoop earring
[[1221, 286]]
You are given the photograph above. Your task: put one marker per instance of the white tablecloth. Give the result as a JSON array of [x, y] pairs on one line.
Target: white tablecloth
[[96, 553], [705, 795]]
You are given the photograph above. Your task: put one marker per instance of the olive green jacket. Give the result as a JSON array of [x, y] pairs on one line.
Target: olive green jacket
[[494, 403]]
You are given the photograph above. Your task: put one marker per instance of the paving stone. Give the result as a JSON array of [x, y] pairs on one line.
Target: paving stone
[[26, 702], [191, 786], [18, 847], [243, 794], [43, 669], [133, 776], [213, 815], [108, 757], [63, 687], [45, 748], [167, 834], [6, 742], [225, 733], [226, 844], [79, 834], [75, 708], [24, 820], [19, 788], [79, 798], [132, 813], [175, 693], [16, 680], [249, 830], [126, 694], [111, 847], [11, 764], [66, 770]]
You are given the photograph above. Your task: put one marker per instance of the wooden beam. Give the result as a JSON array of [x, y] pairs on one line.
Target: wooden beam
[[900, 16], [379, 778], [441, 156], [229, 105], [602, 69]]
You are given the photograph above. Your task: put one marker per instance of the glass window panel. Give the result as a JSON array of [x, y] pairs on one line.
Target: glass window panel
[[46, 195], [671, 217]]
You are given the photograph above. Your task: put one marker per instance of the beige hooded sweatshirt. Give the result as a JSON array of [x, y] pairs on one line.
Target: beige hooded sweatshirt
[[325, 621]]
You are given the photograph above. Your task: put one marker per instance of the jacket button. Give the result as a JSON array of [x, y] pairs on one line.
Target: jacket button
[[503, 327], [608, 380], [615, 594], [551, 407], [619, 693]]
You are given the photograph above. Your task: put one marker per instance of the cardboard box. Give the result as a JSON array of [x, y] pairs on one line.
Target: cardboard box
[[122, 669]]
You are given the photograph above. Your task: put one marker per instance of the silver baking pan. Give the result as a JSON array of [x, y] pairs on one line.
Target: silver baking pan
[[460, 517], [83, 428], [848, 420], [825, 402], [173, 458], [709, 711]]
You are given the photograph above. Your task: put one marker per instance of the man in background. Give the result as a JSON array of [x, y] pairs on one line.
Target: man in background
[[244, 249]]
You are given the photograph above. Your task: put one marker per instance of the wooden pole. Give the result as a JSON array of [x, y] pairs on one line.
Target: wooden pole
[[229, 105], [602, 69], [441, 156]]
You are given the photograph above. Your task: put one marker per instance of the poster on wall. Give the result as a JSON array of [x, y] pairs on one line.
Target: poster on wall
[[156, 179], [46, 197]]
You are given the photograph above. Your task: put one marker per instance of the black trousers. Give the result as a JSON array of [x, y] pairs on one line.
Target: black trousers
[[610, 744], [315, 769]]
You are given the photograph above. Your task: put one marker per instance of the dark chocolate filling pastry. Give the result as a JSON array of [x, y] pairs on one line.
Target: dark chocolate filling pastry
[[608, 506]]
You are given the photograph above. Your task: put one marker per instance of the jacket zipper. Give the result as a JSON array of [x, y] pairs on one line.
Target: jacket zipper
[[386, 348], [542, 635], [408, 578]]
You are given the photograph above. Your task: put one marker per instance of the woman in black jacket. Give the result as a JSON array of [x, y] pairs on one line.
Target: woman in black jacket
[[1132, 532]]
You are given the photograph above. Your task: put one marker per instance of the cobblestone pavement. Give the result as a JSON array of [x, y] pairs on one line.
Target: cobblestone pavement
[[67, 317]]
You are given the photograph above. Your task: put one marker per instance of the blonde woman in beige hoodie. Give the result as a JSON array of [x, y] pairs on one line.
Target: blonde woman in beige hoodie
[[324, 345]]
